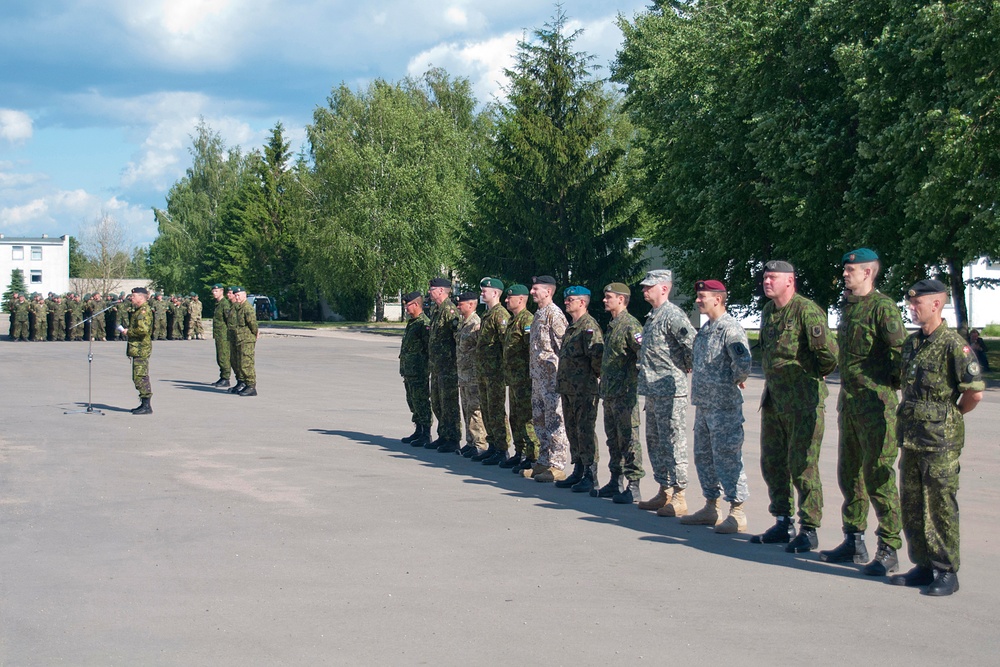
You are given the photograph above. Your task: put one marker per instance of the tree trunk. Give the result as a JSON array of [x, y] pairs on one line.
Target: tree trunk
[[956, 269], [379, 306]]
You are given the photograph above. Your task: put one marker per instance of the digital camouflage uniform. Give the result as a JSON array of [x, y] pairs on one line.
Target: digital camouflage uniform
[[936, 370], [578, 383], [489, 368], [721, 361], [140, 347], [518, 377], [468, 381], [241, 323], [797, 352], [220, 335], [619, 382], [664, 361], [413, 367], [445, 321], [547, 329], [870, 337]]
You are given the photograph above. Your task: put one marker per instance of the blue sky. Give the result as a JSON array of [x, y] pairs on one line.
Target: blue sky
[[98, 98]]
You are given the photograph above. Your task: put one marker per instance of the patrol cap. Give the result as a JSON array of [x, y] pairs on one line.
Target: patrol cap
[[543, 280], [923, 287], [412, 296], [468, 296], [709, 286], [440, 282], [517, 289], [491, 282], [779, 266], [618, 288], [576, 290], [140, 290], [234, 289], [657, 277], [859, 256]]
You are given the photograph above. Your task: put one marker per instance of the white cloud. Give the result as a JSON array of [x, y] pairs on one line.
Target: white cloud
[[66, 211], [456, 16], [15, 126], [482, 62]]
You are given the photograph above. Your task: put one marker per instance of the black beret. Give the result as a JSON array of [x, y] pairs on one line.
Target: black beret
[[440, 282], [779, 266], [929, 286], [407, 298], [469, 296], [140, 290], [543, 280]]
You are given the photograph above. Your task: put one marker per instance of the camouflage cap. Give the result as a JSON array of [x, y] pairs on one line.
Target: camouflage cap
[[924, 287], [859, 256], [517, 289], [658, 277], [491, 282], [618, 288]]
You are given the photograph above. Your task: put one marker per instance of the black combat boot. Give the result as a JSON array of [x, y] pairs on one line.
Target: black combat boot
[[525, 464], [806, 540], [611, 489], [248, 390], [574, 477], [918, 576], [781, 532], [852, 549], [413, 436], [485, 454], [885, 562], [587, 482], [144, 408], [945, 583], [499, 457], [435, 443], [423, 437], [469, 451], [220, 383], [448, 447], [513, 461], [629, 495], [238, 388]]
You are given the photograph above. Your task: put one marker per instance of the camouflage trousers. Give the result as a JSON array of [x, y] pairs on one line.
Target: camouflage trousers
[[418, 399], [234, 354], [580, 413], [39, 332], [521, 429], [222, 358], [621, 426], [59, 330], [444, 404], [666, 439], [493, 405], [245, 362], [866, 460], [19, 330], [718, 453], [75, 329], [177, 330], [160, 328], [140, 376], [472, 416], [547, 416], [929, 483], [789, 456]]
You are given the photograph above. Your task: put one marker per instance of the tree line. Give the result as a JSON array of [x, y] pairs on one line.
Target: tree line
[[729, 133]]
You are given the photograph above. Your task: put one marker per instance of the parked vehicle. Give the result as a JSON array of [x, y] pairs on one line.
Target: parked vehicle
[[265, 307]]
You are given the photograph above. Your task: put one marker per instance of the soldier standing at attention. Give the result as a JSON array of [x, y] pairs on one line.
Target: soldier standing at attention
[[797, 352], [19, 316], [195, 328], [139, 335], [220, 335], [123, 310], [75, 316], [619, 382], [547, 330], [39, 318], [234, 350], [664, 362], [242, 326], [721, 364], [445, 322], [414, 370], [98, 323], [468, 381], [489, 368], [941, 382], [870, 337], [57, 313], [516, 344], [159, 316], [177, 312], [577, 382]]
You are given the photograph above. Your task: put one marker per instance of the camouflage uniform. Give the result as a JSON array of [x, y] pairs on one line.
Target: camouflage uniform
[[123, 311], [547, 329], [797, 351], [936, 370], [194, 329], [870, 337], [74, 311], [20, 317], [160, 318], [241, 323], [57, 314], [468, 381], [445, 322], [721, 361], [413, 368], [98, 325], [140, 347], [220, 334], [578, 381], [177, 312], [619, 381], [518, 377], [39, 319], [489, 368]]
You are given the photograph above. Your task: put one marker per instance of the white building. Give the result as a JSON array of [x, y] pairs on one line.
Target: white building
[[44, 262]]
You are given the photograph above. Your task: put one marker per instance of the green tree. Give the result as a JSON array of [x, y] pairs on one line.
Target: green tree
[[77, 260], [16, 285], [552, 193]]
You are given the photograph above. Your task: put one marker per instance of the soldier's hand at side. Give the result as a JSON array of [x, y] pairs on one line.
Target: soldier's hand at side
[[742, 385]]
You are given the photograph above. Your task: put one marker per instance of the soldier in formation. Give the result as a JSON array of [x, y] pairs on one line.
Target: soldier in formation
[[139, 334], [220, 335], [445, 322], [467, 340], [241, 326], [413, 367], [490, 372], [516, 373]]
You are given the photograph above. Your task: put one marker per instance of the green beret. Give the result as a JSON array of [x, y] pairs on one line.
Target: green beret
[[517, 289], [236, 288], [576, 290], [859, 256], [923, 287], [491, 282], [618, 288], [218, 286], [779, 266]]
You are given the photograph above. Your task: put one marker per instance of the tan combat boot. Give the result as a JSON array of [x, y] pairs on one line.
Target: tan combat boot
[[657, 501], [677, 505], [550, 475], [706, 516], [736, 522], [533, 470]]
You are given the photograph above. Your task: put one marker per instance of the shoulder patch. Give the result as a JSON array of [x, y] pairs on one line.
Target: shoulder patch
[[892, 326], [638, 337], [527, 328], [739, 349], [816, 331], [503, 323], [966, 349], [973, 368], [683, 331]]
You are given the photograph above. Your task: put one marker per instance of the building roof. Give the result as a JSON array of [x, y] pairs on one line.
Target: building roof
[[42, 240]]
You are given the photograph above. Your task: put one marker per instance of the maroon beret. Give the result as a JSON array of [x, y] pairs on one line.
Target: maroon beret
[[709, 286]]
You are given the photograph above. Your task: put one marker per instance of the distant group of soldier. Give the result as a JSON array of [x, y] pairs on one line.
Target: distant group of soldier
[[464, 369], [72, 317]]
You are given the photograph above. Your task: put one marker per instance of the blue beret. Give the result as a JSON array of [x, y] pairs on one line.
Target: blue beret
[[859, 256], [576, 290]]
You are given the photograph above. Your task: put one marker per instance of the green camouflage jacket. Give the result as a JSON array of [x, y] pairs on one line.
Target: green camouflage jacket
[[241, 322], [870, 337], [620, 363], [489, 346], [140, 332], [797, 352], [219, 327], [413, 350], [516, 342], [580, 358], [445, 323]]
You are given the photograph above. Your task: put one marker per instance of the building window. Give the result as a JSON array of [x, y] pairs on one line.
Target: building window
[[36, 253], [17, 252], [36, 277]]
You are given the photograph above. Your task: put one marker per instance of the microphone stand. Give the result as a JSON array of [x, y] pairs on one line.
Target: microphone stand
[[90, 364]]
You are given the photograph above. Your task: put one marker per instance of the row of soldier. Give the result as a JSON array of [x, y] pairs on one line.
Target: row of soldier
[[460, 367], [70, 317]]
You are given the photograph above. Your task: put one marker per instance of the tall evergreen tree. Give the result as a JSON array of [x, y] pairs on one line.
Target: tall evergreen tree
[[16, 285]]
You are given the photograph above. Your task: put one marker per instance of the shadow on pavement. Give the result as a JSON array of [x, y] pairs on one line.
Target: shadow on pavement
[[82, 406], [195, 386]]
